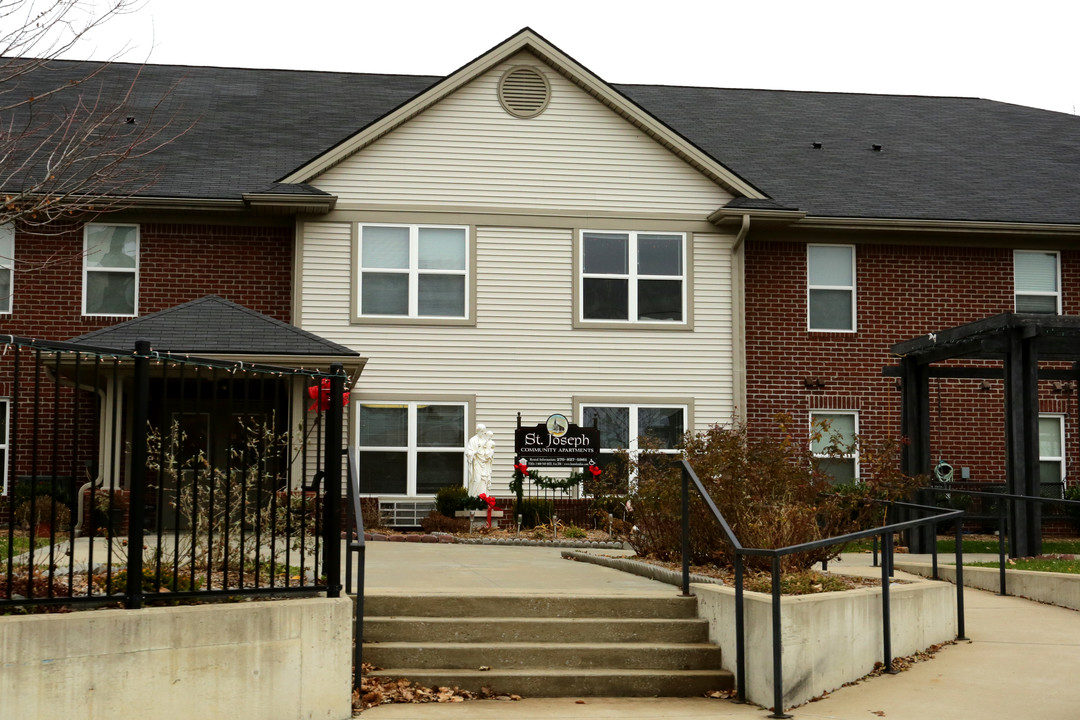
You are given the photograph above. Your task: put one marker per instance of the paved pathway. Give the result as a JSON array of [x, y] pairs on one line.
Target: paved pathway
[[1022, 661]]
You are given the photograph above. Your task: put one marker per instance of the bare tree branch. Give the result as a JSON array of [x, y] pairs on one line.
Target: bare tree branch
[[74, 136]]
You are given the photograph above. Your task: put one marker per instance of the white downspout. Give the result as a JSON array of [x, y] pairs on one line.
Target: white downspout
[[738, 318]]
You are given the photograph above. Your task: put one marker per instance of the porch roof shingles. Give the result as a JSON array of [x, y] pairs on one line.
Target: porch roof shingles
[[213, 325]]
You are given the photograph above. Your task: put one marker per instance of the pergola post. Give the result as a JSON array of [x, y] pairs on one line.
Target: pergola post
[[915, 426], [1022, 440]]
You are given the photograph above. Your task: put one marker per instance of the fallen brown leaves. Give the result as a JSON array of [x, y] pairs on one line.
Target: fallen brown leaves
[[381, 691], [721, 694]]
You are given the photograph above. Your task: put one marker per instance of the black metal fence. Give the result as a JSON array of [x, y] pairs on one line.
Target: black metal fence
[[139, 476], [884, 532]]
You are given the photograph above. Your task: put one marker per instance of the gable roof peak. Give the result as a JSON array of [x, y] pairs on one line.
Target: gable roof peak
[[530, 40]]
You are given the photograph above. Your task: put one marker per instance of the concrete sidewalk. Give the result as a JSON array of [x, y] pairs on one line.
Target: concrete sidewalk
[[1020, 662]]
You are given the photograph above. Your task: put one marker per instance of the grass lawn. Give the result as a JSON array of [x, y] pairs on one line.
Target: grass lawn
[[21, 545], [1063, 547], [1039, 564]]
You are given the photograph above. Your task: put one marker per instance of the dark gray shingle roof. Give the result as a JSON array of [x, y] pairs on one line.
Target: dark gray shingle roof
[[940, 158], [213, 325]]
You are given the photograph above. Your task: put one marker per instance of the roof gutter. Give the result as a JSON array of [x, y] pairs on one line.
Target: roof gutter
[[726, 214], [300, 202], [958, 226]]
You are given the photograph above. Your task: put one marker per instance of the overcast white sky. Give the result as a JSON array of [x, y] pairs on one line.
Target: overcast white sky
[[1019, 52]]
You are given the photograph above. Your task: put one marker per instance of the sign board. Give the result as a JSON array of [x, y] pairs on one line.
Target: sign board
[[557, 443]]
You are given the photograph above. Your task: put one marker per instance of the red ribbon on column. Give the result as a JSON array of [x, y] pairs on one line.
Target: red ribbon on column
[[490, 506], [321, 395]]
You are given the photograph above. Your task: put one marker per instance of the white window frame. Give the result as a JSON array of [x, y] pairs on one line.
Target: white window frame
[[1056, 294], [632, 277], [5, 442], [850, 288], [136, 270], [412, 449], [633, 431], [414, 272], [7, 265], [815, 426], [1060, 418]]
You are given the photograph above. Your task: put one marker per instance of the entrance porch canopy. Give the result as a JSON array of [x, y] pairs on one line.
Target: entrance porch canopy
[[1020, 341], [218, 329]]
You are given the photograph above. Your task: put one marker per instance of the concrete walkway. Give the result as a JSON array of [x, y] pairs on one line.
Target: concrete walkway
[[1021, 661]]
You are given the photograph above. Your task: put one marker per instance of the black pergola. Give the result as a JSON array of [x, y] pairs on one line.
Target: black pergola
[[1020, 341]]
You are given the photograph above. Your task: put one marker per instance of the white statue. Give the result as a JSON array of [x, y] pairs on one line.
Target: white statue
[[480, 452]]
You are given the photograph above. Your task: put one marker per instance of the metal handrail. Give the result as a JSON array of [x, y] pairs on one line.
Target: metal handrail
[[1001, 518], [885, 532], [356, 545]]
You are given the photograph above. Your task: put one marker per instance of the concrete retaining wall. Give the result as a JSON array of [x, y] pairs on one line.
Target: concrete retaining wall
[[828, 639], [277, 660], [1061, 589]]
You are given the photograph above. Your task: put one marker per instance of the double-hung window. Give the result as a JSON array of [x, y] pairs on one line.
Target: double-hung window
[[830, 287], [1037, 281], [111, 270], [1051, 455], [833, 443], [7, 266], [413, 271], [633, 277], [411, 448], [622, 426]]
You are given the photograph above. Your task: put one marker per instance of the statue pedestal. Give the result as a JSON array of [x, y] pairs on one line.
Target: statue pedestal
[[481, 516]]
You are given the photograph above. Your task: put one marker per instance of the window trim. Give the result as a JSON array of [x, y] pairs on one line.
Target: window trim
[[686, 403], [847, 456], [580, 321], [1060, 459], [7, 262], [851, 288], [136, 271], [1035, 293], [412, 401], [357, 270]]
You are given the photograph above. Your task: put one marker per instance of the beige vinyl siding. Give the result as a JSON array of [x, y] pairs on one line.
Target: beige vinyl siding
[[524, 355], [578, 155], [325, 275]]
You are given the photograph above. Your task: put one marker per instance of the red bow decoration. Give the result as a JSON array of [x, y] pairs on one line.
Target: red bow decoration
[[595, 470], [321, 395], [522, 467], [490, 505]]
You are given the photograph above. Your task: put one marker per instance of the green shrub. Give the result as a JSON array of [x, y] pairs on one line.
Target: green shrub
[[449, 500], [534, 511], [573, 532], [150, 581]]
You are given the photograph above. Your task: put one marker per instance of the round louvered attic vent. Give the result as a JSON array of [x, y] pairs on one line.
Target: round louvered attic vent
[[524, 92]]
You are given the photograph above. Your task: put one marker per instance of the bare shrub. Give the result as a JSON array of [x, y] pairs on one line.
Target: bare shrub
[[769, 489]]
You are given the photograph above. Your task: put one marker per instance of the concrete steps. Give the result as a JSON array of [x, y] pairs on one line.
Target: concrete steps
[[545, 646]]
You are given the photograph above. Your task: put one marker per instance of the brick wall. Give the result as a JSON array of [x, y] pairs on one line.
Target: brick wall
[[903, 291], [249, 265]]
